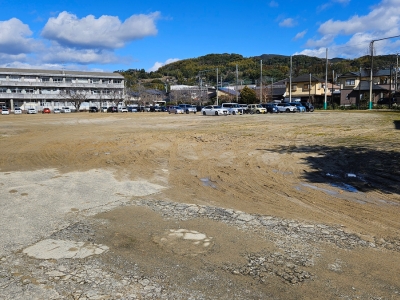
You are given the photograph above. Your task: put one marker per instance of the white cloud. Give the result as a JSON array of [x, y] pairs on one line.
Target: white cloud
[[300, 35], [59, 54], [273, 4], [106, 32], [158, 65], [15, 38], [382, 21], [289, 22]]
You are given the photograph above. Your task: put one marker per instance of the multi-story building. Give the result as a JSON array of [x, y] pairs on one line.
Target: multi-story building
[[28, 88]]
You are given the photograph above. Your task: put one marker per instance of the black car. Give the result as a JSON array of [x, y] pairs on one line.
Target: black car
[[386, 101], [270, 107], [309, 107], [112, 109], [93, 109]]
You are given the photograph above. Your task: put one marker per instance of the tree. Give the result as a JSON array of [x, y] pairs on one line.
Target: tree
[[75, 96], [248, 96]]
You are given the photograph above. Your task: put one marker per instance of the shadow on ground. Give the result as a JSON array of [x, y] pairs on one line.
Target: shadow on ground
[[397, 124], [363, 168]]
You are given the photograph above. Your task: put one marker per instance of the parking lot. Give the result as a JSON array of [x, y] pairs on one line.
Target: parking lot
[[165, 206]]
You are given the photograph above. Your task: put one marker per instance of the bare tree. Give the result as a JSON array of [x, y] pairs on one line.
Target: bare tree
[[75, 96]]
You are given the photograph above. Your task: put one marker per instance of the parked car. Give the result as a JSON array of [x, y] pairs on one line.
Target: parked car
[[300, 107], [214, 110], [65, 109], [56, 110], [17, 111], [245, 108], [123, 109], [103, 109], [233, 108], [187, 108], [31, 111], [286, 107], [46, 110], [112, 109], [256, 109], [270, 107], [175, 110], [133, 108], [309, 107], [5, 111], [386, 101], [93, 109]]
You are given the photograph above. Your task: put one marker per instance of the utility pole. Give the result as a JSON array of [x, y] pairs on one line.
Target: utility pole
[[261, 81], [290, 81], [217, 87], [309, 91], [237, 92], [326, 79]]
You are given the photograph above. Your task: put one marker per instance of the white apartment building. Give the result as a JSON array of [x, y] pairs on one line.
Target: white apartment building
[[29, 88]]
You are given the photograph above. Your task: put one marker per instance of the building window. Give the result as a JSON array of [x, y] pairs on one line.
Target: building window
[[29, 91], [15, 90], [117, 81], [306, 87], [294, 87], [106, 91], [68, 80], [95, 80], [14, 78], [82, 80], [3, 90], [350, 82], [3, 77], [57, 79], [45, 79], [30, 78]]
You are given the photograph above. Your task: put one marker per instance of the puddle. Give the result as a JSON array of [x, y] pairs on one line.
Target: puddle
[[208, 182], [329, 192], [345, 187]]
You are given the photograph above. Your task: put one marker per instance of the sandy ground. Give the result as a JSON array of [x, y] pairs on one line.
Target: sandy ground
[[338, 169]]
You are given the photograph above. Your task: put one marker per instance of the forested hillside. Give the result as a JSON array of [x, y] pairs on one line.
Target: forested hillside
[[274, 67]]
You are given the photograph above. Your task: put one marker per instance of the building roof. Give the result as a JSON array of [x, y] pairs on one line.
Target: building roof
[[365, 86], [39, 72], [228, 91], [306, 78], [367, 73]]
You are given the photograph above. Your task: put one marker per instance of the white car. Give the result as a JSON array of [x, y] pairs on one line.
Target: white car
[[122, 109], [17, 111], [286, 107], [65, 109], [31, 111], [56, 110], [4, 111], [214, 110]]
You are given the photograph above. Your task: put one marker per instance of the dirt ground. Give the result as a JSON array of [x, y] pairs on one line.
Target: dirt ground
[[337, 169]]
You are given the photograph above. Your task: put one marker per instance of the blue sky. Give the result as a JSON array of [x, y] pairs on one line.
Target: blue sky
[[120, 35]]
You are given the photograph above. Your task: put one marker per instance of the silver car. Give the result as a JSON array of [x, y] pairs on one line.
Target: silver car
[[176, 110]]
